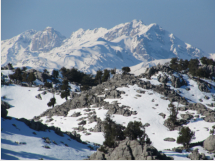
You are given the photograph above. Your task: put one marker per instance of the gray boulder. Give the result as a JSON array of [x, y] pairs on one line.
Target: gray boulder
[[196, 156], [76, 114], [187, 116], [169, 139], [39, 97], [209, 143], [177, 82]]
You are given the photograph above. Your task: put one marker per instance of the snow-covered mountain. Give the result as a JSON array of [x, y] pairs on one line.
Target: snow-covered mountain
[[126, 44]]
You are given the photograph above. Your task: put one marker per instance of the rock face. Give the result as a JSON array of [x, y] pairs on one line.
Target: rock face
[[178, 82], [129, 150], [196, 156], [169, 139], [209, 143], [39, 97]]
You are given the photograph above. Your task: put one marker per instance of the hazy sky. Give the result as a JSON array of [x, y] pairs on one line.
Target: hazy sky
[[193, 21]]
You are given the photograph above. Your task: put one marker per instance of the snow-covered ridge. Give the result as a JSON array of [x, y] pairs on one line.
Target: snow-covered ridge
[[126, 44]]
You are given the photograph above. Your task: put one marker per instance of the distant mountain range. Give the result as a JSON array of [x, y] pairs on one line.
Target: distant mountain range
[[127, 44]]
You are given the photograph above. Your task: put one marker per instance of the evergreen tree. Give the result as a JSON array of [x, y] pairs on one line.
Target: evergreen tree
[[63, 71], [17, 75], [52, 102], [113, 71], [193, 66], [24, 69], [185, 136], [126, 70], [24, 77], [112, 132], [48, 85], [173, 112], [174, 64], [106, 75], [65, 87], [31, 77], [45, 71], [55, 73], [133, 130], [98, 76]]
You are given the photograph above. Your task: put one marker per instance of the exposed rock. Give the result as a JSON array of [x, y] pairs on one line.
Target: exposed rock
[[178, 82], [169, 139], [83, 122], [206, 97], [129, 150], [44, 92], [203, 86], [163, 115], [209, 118], [209, 143], [39, 97], [196, 156], [76, 114], [187, 116], [163, 79]]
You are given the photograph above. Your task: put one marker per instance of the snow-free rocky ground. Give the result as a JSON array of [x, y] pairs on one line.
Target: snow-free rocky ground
[[148, 105]]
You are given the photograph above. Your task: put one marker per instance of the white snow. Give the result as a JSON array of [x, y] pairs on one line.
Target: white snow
[[33, 149], [23, 101]]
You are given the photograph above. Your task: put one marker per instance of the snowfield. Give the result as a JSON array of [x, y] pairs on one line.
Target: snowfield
[[24, 104], [14, 132]]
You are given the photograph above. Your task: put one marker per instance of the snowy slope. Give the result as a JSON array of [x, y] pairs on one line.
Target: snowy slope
[[147, 112], [126, 44], [13, 131]]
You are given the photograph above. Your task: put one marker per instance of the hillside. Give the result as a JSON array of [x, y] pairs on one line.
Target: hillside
[[126, 98], [126, 44]]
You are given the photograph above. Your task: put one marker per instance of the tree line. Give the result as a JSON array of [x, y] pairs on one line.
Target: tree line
[[192, 66]]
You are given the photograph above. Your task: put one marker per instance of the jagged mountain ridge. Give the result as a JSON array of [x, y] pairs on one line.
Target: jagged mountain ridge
[[126, 44]]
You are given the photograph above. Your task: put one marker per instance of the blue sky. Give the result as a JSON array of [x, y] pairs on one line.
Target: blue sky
[[192, 21]]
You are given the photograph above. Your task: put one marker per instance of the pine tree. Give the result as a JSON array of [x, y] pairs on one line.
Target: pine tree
[[52, 102], [174, 64], [185, 136], [55, 73], [31, 77], [173, 112], [65, 87], [24, 77], [133, 130], [126, 70], [113, 71], [106, 75], [98, 76]]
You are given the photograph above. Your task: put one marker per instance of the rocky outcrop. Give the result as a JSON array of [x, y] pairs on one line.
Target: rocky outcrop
[[196, 156], [209, 143], [38, 97], [38, 126], [177, 82], [187, 116], [129, 150], [169, 139], [163, 79], [201, 109], [76, 114]]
